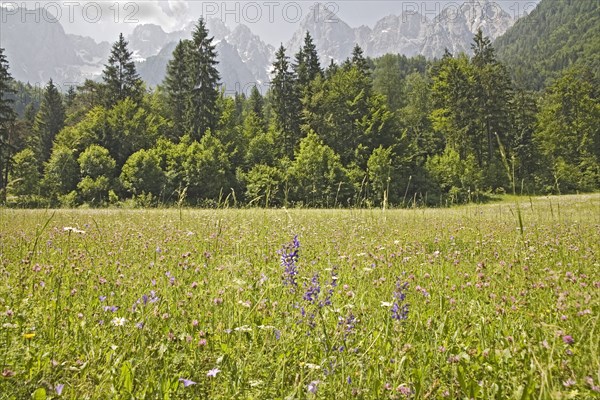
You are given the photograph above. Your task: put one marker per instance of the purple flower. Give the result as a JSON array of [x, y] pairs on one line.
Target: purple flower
[[153, 297], [332, 285], [289, 257], [277, 334], [312, 293], [186, 382], [213, 372], [111, 308], [59, 388], [312, 387], [145, 299], [404, 390], [102, 298], [399, 308], [348, 323], [139, 325], [568, 339]]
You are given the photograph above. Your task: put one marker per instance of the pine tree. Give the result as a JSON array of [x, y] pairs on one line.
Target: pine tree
[[306, 65], [49, 120], [492, 94], [7, 118], [256, 103], [177, 85], [313, 66], [483, 51], [332, 68], [202, 111], [120, 76], [70, 97], [358, 59], [285, 103]]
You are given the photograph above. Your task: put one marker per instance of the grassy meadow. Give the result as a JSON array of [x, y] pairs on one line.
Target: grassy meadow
[[482, 301]]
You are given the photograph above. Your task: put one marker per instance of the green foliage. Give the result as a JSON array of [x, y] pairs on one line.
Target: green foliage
[[390, 74], [95, 191], [261, 149], [317, 175], [568, 133], [460, 179], [348, 116], [49, 120], [229, 129], [129, 128], [96, 162], [61, 172], [208, 172], [24, 179], [264, 186], [123, 129], [172, 158], [472, 103], [90, 130], [142, 173], [87, 96], [380, 171]]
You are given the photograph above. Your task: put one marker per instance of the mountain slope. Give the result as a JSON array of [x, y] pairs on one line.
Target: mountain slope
[[556, 35], [243, 57], [38, 51], [408, 34]]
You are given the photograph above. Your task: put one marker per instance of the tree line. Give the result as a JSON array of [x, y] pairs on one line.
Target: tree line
[[391, 131]]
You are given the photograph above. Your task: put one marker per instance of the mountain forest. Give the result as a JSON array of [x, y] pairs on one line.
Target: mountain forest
[[389, 131]]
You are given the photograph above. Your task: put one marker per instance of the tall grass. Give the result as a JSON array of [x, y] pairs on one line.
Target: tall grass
[[188, 304]]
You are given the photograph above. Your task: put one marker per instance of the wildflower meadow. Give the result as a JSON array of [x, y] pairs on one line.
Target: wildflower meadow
[[497, 301]]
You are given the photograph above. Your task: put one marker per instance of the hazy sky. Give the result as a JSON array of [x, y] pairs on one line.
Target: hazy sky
[[274, 21]]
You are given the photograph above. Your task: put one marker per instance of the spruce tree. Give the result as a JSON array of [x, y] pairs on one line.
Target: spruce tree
[[202, 111], [256, 103], [70, 97], [331, 70], [177, 86], [120, 76], [306, 68], [285, 103], [311, 59], [7, 118], [358, 59], [483, 51], [49, 120], [492, 95]]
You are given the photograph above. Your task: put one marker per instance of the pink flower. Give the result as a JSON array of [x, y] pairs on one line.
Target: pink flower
[[568, 339]]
